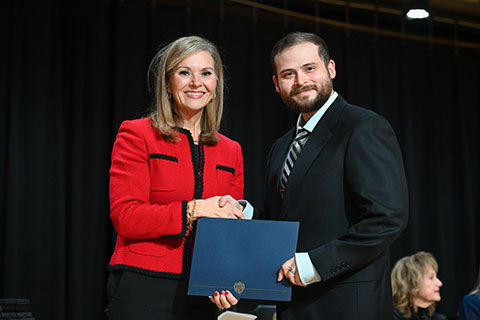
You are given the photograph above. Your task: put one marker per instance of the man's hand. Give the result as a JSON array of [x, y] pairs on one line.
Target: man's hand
[[210, 208], [229, 200], [289, 270]]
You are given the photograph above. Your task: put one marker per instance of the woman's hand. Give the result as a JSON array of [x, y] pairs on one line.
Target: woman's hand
[[224, 299], [228, 199], [210, 208]]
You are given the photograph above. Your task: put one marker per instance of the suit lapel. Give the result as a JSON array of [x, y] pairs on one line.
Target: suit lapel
[[314, 147]]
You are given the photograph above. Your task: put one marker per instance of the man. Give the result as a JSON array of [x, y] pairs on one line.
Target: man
[[339, 172], [344, 182]]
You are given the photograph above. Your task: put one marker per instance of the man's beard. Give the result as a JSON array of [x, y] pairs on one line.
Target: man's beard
[[323, 93]]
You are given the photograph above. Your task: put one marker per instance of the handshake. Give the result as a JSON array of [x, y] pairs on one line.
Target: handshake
[[215, 207]]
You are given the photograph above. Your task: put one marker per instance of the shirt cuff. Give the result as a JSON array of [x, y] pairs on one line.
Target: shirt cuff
[[307, 272], [247, 209]]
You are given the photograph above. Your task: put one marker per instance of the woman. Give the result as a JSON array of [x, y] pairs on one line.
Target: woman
[[167, 171], [470, 307], [416, 288]]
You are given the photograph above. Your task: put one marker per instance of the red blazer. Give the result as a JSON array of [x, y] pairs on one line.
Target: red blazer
[[151, 181]]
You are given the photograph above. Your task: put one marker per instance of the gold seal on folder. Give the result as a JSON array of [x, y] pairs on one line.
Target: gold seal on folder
[[239, 287]]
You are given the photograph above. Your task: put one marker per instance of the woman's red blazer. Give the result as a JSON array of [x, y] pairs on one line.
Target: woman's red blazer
[[151, 181]]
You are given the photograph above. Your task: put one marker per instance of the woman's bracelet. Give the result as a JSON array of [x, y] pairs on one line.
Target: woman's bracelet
[[190, 212]]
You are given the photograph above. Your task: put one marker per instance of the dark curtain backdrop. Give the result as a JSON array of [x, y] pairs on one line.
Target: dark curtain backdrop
[[72, 71]]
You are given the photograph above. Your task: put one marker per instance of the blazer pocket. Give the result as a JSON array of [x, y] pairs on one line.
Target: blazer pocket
[[224, 175], [163, 172], [147, 248]]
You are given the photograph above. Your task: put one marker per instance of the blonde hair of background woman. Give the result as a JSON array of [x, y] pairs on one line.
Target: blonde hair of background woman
[[406, 277], [476, 287]]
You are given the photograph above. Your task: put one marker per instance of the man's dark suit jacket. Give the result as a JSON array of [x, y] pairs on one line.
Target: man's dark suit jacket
[[349, 192]]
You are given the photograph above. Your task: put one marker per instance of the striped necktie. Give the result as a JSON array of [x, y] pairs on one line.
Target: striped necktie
[[295, 149]]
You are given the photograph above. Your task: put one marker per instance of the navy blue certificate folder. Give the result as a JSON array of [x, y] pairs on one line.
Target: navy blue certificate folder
[[242, 256]]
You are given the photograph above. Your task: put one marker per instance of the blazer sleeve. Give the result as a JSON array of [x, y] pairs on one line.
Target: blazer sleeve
[[132, 214], [376, 185], [237, 184]]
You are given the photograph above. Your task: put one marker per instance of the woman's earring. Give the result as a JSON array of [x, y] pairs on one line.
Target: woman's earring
[[169, 95]]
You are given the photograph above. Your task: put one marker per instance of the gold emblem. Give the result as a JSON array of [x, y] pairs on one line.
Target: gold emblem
[[239, 287]]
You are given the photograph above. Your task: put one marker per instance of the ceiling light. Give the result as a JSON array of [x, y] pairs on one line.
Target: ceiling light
[[417, 14], [418, 10]]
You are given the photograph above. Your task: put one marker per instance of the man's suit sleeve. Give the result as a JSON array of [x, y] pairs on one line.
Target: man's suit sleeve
[[375, 182], [264, 212]]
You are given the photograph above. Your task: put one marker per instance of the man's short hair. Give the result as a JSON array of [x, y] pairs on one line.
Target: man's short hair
[[295, 38]]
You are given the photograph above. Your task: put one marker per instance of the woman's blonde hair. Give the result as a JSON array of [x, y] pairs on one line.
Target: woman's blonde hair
[[406, 276], [476, 287], [164, 117]]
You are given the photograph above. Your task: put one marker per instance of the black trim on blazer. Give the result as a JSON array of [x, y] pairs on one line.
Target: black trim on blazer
[[151, 273], [183, 232], [197, 170], [163, 156], [226, 168], [199, 176]]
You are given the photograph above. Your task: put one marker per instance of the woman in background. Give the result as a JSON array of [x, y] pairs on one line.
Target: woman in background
[[167, 171], [416, 288], [470, 306]]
